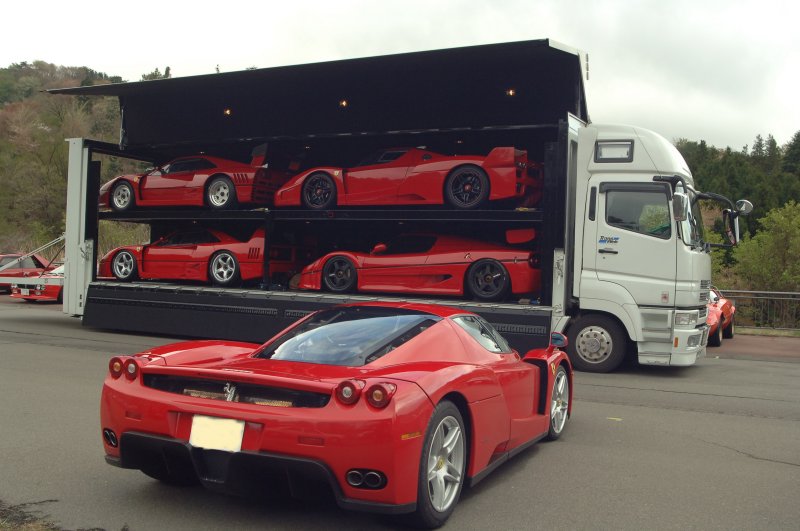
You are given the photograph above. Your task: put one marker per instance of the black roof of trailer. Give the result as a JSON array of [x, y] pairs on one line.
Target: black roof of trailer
[[457, 89]]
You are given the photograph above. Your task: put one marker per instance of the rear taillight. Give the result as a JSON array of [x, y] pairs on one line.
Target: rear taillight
[[349, 391], [115, 367], [131, 369], [380, 394]]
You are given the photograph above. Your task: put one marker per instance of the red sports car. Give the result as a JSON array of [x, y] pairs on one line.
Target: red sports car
[[31, 266], [51, 291], [203, 255], [428, 264], [415, 176], [395, 406], [192, 181], [720, 318]]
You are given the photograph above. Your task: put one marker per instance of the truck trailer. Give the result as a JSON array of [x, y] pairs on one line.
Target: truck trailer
[[625, 267]]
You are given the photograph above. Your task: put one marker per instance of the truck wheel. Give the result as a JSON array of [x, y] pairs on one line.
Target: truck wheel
[[467, 187], [596, 344], [221, 193], [729, 330], [319, 192], [715, 339]]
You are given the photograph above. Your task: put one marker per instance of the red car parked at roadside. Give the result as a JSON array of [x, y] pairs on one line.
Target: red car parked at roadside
[[200, 254], [41, 292], [191, 181], [428, 264], [33, 265], [395, 406], [415, 176], [720, 318]]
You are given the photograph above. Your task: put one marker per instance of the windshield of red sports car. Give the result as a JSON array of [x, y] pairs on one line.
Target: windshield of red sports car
[[351, 336]]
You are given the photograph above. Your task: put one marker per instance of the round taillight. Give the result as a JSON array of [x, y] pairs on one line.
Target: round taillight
[[380, 394], [115, 367], [131, 369], [349, 391]]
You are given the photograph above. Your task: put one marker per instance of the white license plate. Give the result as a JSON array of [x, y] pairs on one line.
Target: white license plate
[[24, 291], [214, 433]]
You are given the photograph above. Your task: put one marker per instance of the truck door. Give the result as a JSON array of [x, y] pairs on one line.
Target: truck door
[[635, 242]]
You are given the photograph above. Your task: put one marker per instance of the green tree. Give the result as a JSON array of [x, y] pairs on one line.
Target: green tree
[[770, 260]]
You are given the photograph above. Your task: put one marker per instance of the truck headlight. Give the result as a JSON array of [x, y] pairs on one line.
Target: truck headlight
[[688, 319]]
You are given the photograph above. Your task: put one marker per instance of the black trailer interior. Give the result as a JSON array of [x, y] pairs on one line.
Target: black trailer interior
[[454, 101]]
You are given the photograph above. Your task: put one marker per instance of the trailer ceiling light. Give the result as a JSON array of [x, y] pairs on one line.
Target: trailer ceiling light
[[614, 151], [227, 111], [342, 103], [511, 92]]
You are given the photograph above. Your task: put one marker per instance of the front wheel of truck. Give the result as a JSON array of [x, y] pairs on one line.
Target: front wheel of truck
[[597, 343]]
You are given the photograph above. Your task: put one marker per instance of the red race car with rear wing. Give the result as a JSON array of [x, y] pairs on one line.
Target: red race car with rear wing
[[193, 181], [395, 406], [428, 264], [416, 176], [720, 318], [200, 254]]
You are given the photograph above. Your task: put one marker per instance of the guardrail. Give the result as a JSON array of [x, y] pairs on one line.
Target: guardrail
[[766, 309]]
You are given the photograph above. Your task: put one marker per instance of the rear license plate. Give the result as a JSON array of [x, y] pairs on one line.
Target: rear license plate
[[24, 291], [213, 433]]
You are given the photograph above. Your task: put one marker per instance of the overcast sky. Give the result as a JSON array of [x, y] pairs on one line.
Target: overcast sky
[[722, 71]]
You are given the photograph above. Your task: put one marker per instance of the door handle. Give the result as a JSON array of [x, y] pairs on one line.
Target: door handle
[[609, 251]]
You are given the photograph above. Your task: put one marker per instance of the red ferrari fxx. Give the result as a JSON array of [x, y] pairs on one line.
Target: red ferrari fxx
[[428, 264], [51, 291], [192, 181], [720, 318], [31, 266], [200, 254], [415, 176], [396, 406]]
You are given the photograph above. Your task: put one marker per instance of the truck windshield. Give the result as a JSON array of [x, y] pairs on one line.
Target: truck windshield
[[692, 230]]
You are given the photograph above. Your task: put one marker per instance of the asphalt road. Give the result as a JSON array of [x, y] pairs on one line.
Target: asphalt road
[[714, 446]]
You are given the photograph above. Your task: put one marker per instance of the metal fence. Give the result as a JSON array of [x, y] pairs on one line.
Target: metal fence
[[766, 309]]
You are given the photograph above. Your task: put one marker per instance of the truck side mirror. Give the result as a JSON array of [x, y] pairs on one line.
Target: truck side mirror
[[730, 219], [680, 206], [744, 207]]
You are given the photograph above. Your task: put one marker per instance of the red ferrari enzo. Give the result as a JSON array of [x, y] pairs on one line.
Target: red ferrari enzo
[[189, 181], [720, 318], [415, 176], [200, 254], [428, 264], [12, 266], [396, 406], [51, 292]]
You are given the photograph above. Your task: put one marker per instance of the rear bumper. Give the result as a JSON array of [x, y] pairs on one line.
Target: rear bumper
[[240, 472]]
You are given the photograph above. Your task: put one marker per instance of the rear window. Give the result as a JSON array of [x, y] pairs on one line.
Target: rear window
[[353, 336]]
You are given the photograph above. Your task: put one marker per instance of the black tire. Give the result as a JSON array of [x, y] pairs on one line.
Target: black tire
[[597, 343], [441, 480], [121, 198], [466, 187], [319, 192], [124, 267], [487, 280], [339, 275], [559, 404], [223, 269], [715, 339], [221, 193], [729, 331]]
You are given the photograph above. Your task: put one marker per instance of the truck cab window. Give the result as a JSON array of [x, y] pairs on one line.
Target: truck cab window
[[643, 212]]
